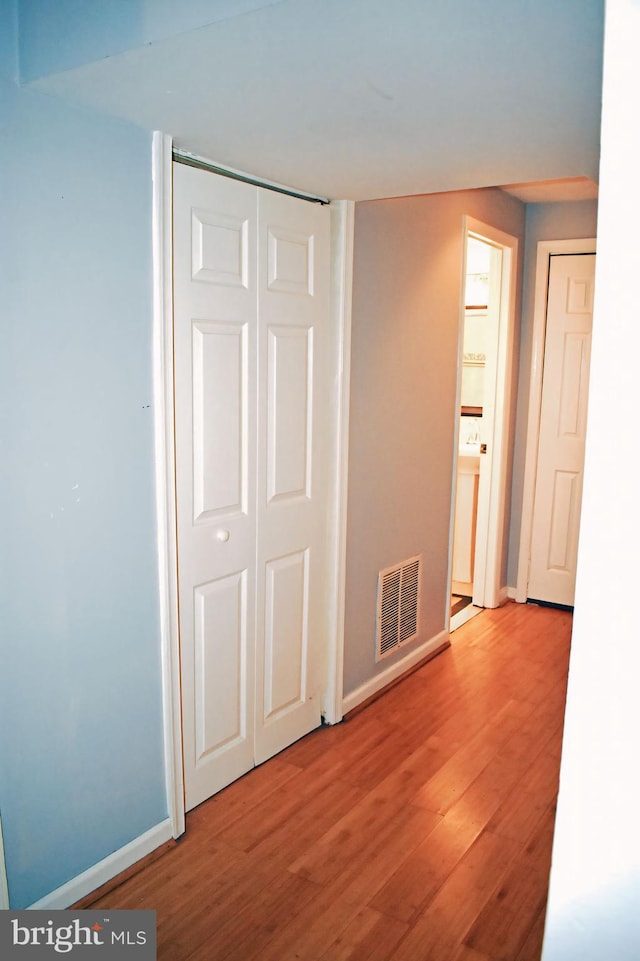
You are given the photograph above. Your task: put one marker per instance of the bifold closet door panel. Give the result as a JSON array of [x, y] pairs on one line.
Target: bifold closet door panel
[[294, 434], [253, 383], [215, 347]]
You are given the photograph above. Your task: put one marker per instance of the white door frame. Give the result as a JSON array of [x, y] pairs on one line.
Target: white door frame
[[342, 234], [165, 476], [545, 249], [489, 553], [342, 226]]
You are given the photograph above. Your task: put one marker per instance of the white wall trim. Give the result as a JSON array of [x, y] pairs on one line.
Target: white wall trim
[[4, 887], [342, 233], [395, 671], [165, 476], [546, 248], [104, 870]]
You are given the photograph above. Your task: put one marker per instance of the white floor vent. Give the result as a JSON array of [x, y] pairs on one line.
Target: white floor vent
[[399, 589]]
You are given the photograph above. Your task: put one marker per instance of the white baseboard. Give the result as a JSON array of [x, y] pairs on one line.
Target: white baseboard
[[4, 889], [377, 683], [512, 593], [106, 869]]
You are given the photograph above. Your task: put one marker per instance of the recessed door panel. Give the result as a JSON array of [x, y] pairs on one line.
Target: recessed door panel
[[291, 261], [219, 419], [572, 420], [219, 248], [579, 295], [290, 365], [563, 508], [286, 633], [220, 665]]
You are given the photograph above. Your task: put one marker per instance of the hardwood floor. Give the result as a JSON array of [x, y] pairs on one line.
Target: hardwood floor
[[418, 830]]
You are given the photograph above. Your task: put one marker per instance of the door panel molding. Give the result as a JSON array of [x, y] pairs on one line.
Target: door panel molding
[[545, 249]]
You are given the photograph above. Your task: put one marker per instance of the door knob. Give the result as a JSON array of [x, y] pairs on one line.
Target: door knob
[[222, 535]]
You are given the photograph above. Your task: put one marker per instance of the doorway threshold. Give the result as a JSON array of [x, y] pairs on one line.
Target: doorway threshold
[[463, 616]]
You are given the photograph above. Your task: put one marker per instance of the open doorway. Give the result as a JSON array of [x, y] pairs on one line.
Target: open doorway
[[486, 326], [479, 273]]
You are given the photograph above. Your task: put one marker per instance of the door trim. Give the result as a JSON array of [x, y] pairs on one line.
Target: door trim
[[342, 236], [342, 231], [545, 249], [165, 476], [489, 565]]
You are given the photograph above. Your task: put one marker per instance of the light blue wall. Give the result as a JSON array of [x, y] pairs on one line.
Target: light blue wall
[[560, 221], [64, 34], [81, 759], [57, 35], [8, 39]]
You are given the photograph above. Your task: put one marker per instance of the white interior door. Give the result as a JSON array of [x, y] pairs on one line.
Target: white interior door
[[251, 333], [563, 416]]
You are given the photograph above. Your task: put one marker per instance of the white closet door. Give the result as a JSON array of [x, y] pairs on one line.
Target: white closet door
[[563, 418], [294, 422], [253, 446], [215, 324]]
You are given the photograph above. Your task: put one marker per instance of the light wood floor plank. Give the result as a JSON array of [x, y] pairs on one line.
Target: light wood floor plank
[[313, 931], [240, 933], [294, 837], [449, 784], [531, 950], [505, 920], [371, 868], [416, 882], [443, 925], [244, 795], [355, 837], [468, 954], [290, 800], [370, 937]]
